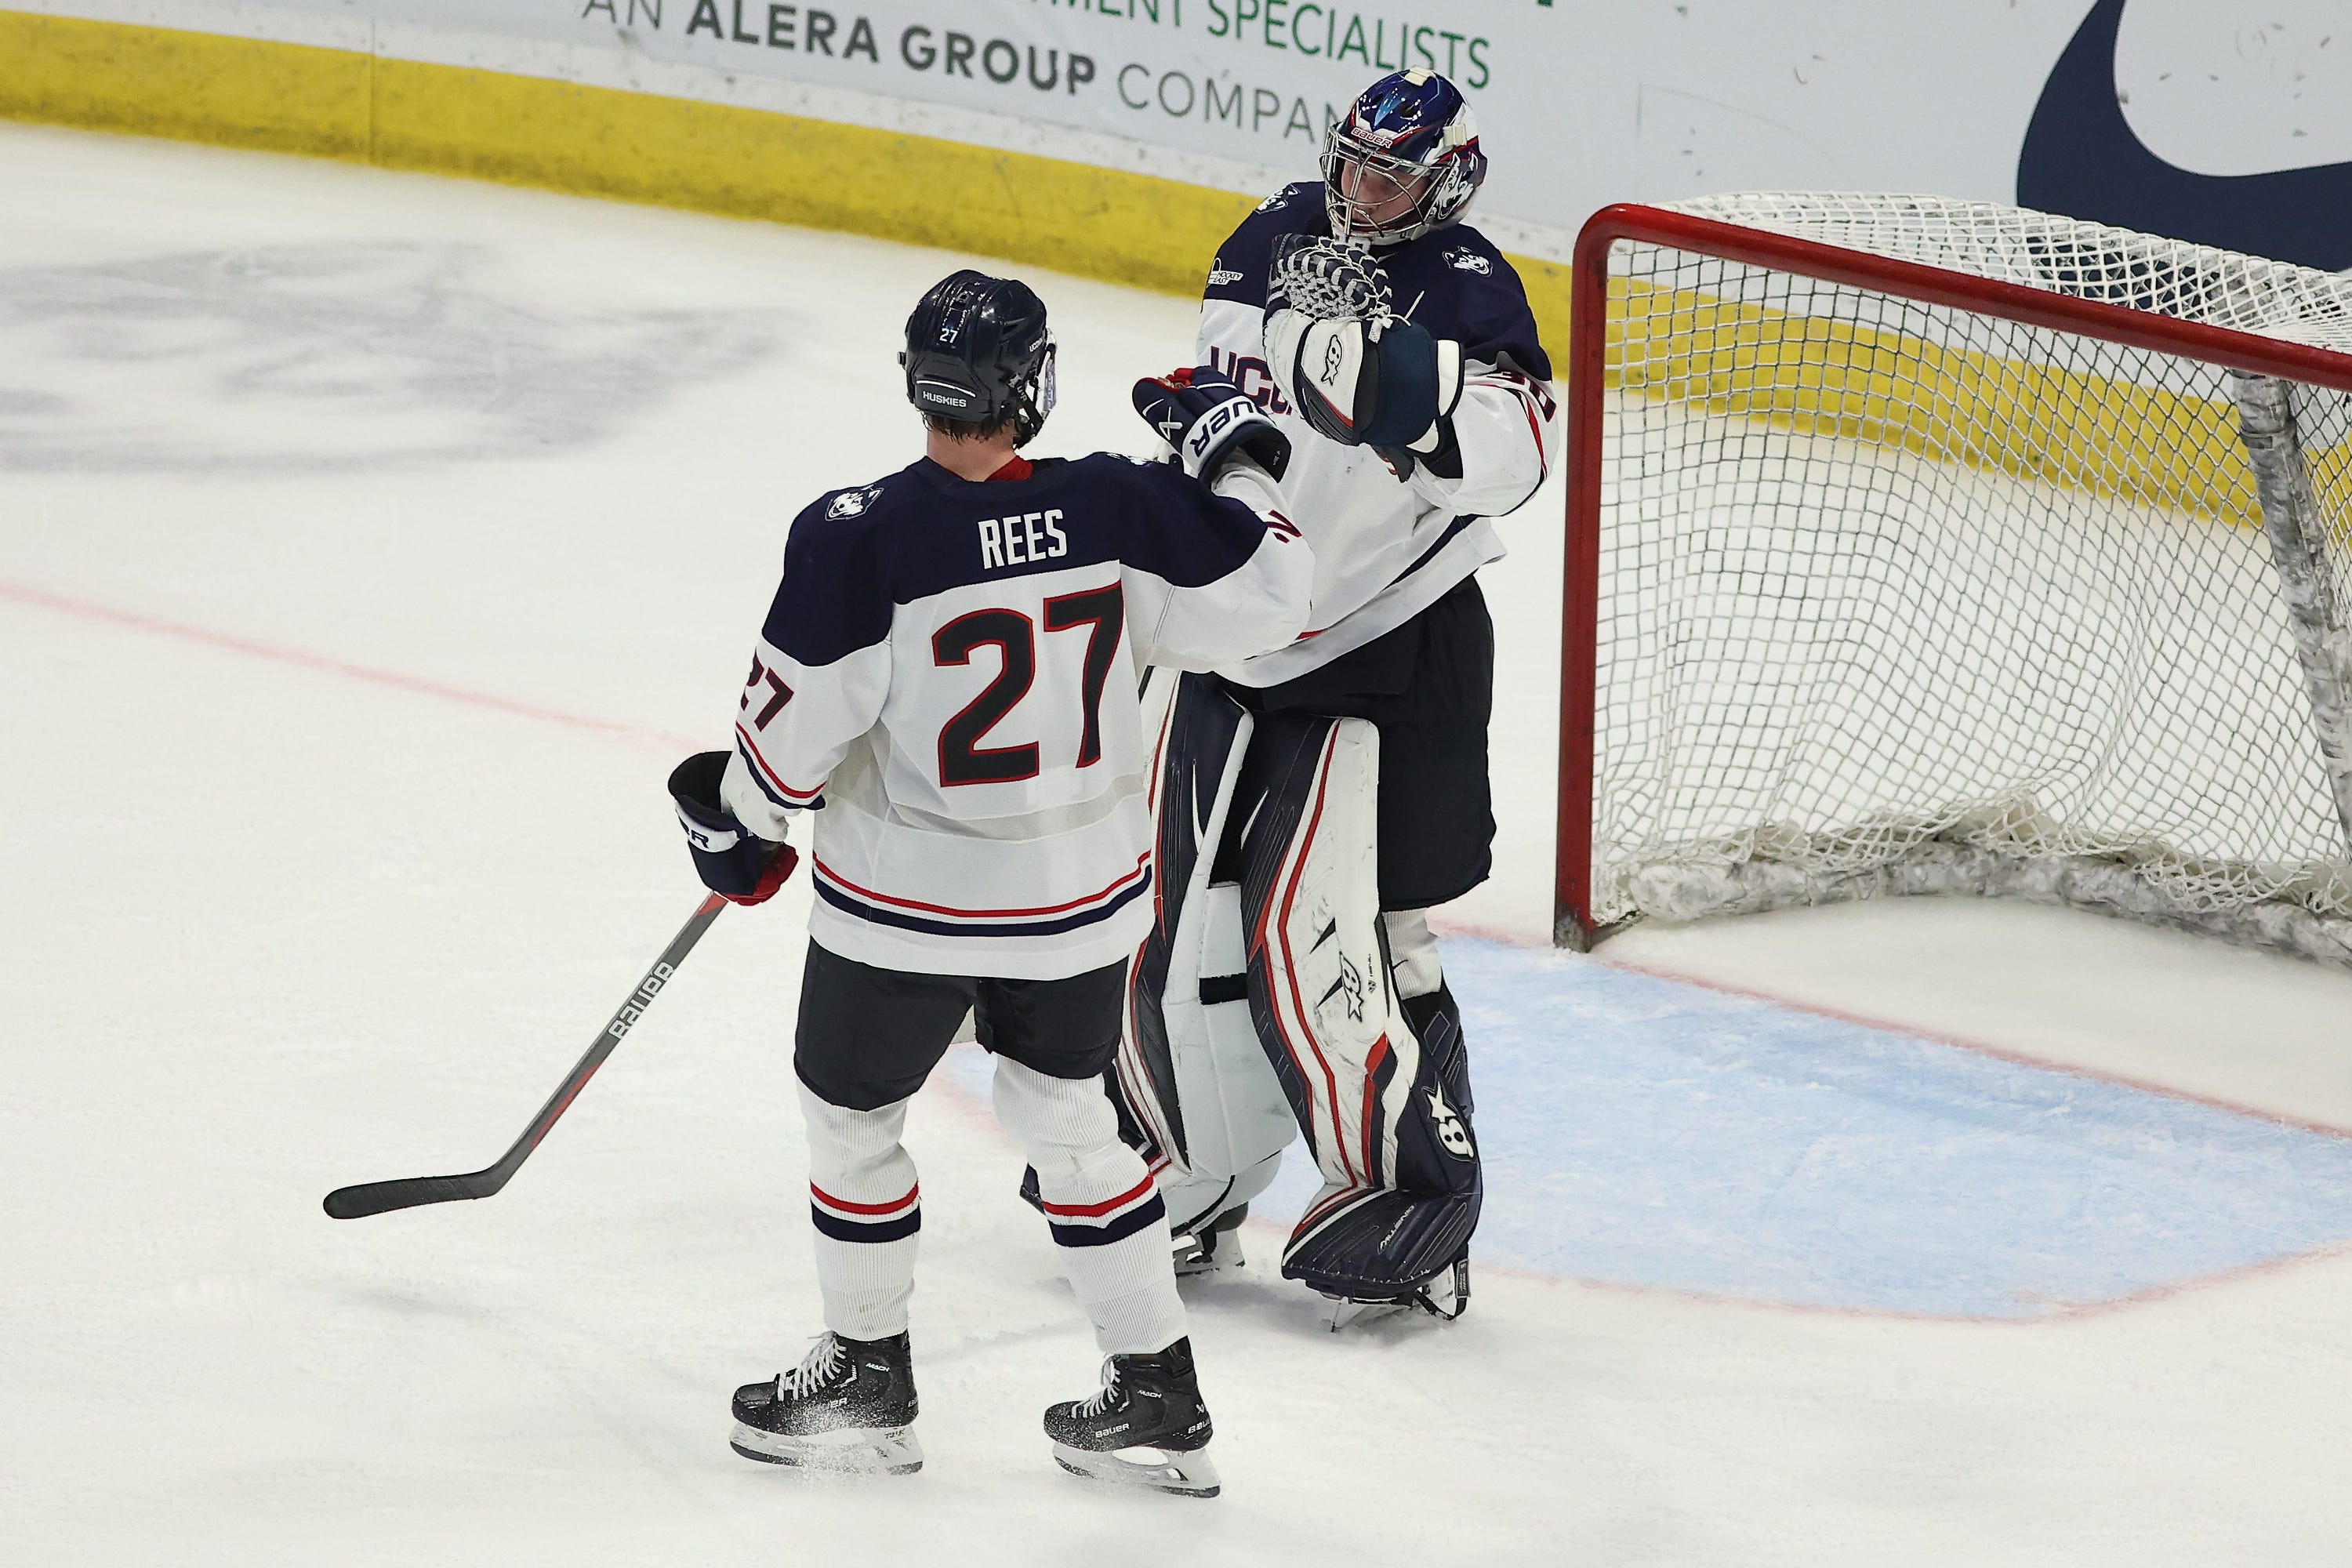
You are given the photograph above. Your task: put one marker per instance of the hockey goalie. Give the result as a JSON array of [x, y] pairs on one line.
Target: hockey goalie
[[1314, 801]]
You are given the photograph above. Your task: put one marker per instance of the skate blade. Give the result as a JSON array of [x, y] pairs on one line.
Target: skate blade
[[1349, 1314], [890, 1451], [1346, 1312], [1193, 1256], [1163, 1469]]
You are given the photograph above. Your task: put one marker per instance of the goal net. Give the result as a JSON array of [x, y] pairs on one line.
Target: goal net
[[1931, 546]]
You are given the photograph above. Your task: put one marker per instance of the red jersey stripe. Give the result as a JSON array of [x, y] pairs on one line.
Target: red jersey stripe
[[751, 751], [833, 876]]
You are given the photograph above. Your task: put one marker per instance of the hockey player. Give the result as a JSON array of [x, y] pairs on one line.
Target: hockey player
[[948, 676], [1317, 799]]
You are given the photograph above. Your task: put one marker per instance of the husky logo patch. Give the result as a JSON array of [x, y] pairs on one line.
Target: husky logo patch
[[1277, 201], [850, 503], [1220, 274], [1451, 1136], [1469, 261]]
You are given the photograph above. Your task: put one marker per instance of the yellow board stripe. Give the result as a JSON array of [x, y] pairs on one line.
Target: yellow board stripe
[[2105, 437], [1131, 228], [193, 86], [716, 158], [2072, 428]]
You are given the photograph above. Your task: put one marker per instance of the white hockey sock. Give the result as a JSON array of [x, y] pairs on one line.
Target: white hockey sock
[[1412, 954], [1106, 1215], [866, 1208]]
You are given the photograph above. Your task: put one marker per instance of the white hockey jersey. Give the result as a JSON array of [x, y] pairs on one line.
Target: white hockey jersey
[[948, 677], [1387, 549]]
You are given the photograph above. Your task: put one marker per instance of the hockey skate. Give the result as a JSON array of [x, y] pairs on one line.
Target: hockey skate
[[1147, 1427], [1216, 1245], [849, 1409]]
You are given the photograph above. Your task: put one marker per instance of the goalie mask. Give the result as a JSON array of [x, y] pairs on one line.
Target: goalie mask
[[978, 351], [1402, 162]]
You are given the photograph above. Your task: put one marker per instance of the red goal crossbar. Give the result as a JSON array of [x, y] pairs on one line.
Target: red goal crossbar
[[1572, 922]]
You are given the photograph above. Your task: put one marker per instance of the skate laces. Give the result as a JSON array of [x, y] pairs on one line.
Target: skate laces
[[1105, 1399], [819, 1367]]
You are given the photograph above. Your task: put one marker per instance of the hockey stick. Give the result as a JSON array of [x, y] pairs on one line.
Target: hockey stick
[[408, 1191]]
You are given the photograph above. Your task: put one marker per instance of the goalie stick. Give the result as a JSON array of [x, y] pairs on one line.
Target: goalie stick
[[409, 1192]]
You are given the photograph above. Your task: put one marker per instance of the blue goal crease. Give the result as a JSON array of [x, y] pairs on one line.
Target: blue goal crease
[[1645, 1131]]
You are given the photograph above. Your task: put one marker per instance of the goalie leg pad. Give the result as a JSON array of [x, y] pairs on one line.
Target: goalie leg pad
[[1383, 1109], [1199, 1095], [1196, 1201]]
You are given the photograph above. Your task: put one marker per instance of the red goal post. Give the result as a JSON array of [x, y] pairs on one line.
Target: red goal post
[[1792, 358]]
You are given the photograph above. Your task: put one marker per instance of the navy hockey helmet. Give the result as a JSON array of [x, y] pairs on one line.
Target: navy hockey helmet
[[1402, 161], [978, 351]]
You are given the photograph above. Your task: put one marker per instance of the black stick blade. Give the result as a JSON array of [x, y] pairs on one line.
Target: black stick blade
[[410, 1192], [407, 1193]]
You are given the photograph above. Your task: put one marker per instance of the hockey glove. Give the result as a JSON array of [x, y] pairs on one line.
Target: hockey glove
[[1210, 422], [732, 861], [1358, 373]]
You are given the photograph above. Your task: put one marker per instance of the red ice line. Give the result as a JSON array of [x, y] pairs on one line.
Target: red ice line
[[1958, 1042], [301, 659], [2061, 1312], [42, 599]]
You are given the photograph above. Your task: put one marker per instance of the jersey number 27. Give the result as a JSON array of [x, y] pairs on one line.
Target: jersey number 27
[[963, 759]]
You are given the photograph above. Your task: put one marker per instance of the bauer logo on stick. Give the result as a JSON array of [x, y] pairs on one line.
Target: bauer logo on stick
[[647, 989], [409, 1192]]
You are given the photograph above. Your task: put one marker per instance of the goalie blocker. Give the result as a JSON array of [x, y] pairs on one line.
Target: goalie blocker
[[1273, 996]]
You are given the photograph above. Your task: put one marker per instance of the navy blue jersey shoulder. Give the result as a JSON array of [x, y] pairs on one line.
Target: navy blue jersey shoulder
[[1178, 529], [1452, 282], [855, 556], [834, 597], [1239, 272]]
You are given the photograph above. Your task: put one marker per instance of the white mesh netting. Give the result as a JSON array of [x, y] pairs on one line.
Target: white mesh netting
[[1897, 598]]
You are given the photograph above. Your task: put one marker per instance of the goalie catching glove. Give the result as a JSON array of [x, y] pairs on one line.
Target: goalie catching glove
[[1210, 422], [1356, 371], [732, 861]]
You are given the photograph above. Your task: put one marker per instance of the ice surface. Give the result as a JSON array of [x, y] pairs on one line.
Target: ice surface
[[370, 546], [1640, 1130]]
